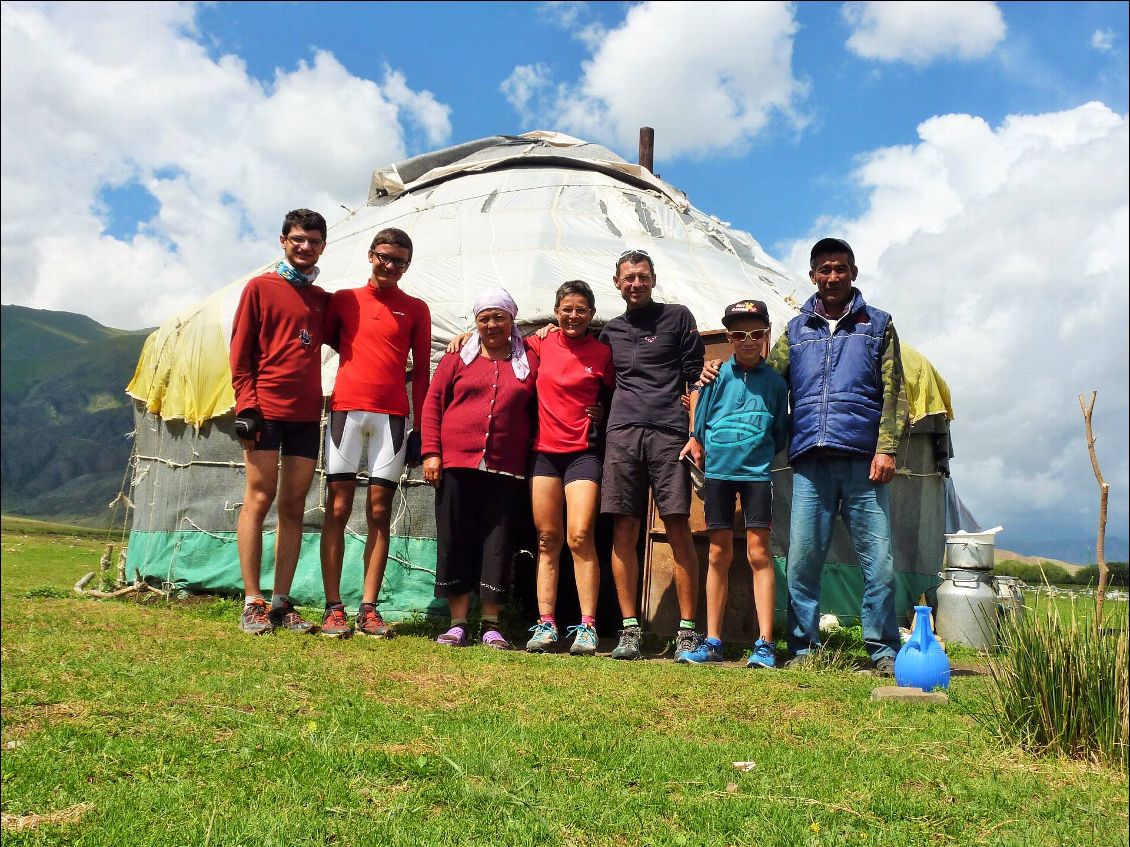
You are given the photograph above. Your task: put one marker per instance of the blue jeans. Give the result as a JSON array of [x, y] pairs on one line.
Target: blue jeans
[[823, 488]]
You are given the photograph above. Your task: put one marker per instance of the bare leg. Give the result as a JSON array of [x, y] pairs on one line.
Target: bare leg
[[686, 563], [339, 506], [718, 579], [582, 498], [547, 497], [764, 579], [262, 469], [625, 563], [378, 518], [459, 606], [294, 481]]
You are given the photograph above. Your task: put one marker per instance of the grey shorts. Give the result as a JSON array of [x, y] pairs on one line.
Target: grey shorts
[[636, 458]]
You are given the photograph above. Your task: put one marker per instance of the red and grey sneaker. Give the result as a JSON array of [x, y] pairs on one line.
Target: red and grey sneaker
[[287, 617], [256, 619], [334, 622], [370, 622]]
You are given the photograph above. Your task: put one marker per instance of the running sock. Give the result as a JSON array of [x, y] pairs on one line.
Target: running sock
[[280, 601], [588, 620], [251, 598], [458, 622], [685, 624], [489, 624], [549, 619], [630, 622]]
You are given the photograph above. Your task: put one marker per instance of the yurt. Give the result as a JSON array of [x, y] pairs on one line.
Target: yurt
[[524, 212]]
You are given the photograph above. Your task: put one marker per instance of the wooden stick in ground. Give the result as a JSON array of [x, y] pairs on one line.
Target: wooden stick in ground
[[1104, 494]]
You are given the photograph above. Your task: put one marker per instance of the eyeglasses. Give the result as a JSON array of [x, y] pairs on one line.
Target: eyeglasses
[[390, 261], [752, 335], [575, 311], [299, 240]]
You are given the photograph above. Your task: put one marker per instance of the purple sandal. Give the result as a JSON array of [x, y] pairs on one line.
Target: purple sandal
[[454, 637], [494, 639]]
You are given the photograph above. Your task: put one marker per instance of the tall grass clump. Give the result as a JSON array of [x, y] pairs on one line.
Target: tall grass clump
[[1059, 685]]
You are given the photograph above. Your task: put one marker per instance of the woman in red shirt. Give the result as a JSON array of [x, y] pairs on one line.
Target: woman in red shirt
[[574, 382], [475, 442]]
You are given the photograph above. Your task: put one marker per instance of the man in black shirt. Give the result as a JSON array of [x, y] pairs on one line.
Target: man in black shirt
[[657, 352]]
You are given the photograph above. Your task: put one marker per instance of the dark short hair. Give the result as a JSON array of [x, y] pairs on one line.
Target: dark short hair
[[575, 286], [305, 219], [635, 256], [392, 235], [827, 247]]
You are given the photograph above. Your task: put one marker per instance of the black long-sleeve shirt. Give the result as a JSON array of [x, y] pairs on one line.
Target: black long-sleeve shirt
[[657, 353]]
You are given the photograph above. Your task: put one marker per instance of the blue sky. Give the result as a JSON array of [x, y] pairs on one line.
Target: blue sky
[[974, 153]]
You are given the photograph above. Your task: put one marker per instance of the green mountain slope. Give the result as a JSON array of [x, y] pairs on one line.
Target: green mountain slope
[[65, 414]]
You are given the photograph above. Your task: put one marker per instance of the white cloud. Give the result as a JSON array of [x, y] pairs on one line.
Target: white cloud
[[1103, 40], [224, 155], [999, 252], [922, 32], [705, 82]]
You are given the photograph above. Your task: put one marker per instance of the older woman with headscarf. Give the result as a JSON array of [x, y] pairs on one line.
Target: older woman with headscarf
[[477, 423]]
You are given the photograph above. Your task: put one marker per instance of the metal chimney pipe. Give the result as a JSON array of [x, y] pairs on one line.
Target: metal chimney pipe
[[647, 148]]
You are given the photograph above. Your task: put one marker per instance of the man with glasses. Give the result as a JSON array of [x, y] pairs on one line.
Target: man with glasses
[[374, 328], [656, 352], [276, 367]]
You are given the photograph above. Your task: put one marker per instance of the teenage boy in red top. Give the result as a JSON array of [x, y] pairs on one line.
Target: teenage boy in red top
[[276, 367], [373, 328]]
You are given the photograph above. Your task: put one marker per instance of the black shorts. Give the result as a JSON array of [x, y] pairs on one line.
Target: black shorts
[[757, 503], [293, 438], [569, 467], [477, 519], [634, 458]]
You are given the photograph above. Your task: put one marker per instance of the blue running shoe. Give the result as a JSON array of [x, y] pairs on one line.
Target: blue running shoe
[[704, 652], [584, 640], [545, 638], [763, 656]]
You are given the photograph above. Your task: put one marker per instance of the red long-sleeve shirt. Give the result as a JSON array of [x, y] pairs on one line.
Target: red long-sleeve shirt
[[572, 375], [480, 412], [276, 349], [373, 330]]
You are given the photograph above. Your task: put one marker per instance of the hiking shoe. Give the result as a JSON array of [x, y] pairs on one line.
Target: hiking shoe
[[335, 624], [686, 641], [629, 645], [584, 639], [494, 639], [454, 637], [763, 655], [370, 622], [287, 617], [544, 638], [707, 650], [256, 618], [884, 666]]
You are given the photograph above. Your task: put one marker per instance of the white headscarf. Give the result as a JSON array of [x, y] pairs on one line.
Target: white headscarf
[[498, 298]]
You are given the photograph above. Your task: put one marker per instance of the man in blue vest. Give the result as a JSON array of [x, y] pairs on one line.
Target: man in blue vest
[[841, 360]]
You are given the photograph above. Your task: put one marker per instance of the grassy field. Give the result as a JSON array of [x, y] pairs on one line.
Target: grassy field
[[131, 723]]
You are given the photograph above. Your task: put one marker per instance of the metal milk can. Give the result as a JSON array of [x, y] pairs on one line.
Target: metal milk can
[[967, 608]]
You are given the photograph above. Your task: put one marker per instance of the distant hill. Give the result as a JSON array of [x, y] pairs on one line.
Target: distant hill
[[1080, 551], [64, 411]]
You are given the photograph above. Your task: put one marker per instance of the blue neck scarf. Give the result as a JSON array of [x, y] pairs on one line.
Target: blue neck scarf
[[294, 276]]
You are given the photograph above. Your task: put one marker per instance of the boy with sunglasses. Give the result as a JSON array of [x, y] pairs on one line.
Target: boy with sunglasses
[[740, 422]]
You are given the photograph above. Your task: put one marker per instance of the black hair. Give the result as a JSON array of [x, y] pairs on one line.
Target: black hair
[[575, 286], [305, 219], [634, 256], [392, 235]]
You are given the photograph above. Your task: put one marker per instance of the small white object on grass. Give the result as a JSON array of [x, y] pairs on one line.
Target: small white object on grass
[[829, 623]]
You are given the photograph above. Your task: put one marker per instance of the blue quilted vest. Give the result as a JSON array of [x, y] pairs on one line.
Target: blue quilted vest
[[836, 381]]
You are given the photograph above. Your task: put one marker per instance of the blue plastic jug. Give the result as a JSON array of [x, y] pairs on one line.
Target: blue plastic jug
[[922, 663]]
